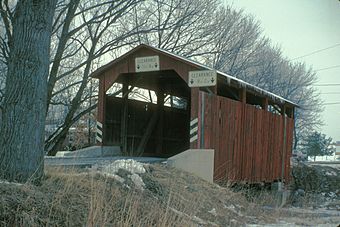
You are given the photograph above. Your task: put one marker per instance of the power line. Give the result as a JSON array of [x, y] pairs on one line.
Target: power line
[[322, 85], [331, 67], [330, 93], [331, 103], [317, 51]]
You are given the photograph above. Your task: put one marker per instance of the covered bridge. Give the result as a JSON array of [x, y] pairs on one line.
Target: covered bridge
[[155, 103]]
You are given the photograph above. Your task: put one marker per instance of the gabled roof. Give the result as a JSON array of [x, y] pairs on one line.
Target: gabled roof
[[239, 82]]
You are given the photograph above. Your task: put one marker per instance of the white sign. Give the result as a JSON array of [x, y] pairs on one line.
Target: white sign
[[145, 64], [204, 78]]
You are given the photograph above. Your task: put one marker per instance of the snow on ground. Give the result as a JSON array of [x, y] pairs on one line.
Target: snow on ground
[[213, 212], [129, 165], [133, 167], [330, 173], [329, 158], [7, 182], [138, 181], [325, 164]]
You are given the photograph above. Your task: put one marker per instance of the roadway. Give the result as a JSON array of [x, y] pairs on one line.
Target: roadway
[[90, 161]]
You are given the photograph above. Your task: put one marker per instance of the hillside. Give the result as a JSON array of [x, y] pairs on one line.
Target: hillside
[[130, 194]]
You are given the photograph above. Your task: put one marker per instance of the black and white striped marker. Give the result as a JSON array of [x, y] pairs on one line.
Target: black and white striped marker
[[99, 134], [193, 130]]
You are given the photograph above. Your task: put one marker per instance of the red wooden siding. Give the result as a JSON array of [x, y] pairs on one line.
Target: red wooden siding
[[248, 142]]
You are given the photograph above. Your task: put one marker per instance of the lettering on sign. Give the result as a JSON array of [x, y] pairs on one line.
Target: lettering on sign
[[204, 78], [146, 64]]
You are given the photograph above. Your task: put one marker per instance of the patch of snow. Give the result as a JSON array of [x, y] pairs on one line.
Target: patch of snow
[[230, 207], [234, 222], [127, 164], [7, 182], [62, 153], [138, 181], [116, 177], [331, 173], [213, 212], [322, 158], [332, 194], [279, 224], [198, 220]]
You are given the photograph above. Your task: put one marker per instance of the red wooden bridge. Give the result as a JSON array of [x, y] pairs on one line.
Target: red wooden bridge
[[250, 129]]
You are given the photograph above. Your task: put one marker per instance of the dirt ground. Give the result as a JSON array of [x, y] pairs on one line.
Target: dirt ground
[[164, 197]]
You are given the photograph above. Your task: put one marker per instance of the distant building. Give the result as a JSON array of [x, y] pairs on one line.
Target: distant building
[[337, 148]]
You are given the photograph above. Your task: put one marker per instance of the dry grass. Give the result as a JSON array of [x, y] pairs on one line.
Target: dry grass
[[87, 198], [83, 199], [70, 197]]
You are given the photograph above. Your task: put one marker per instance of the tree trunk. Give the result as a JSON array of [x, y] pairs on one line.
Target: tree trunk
[[295, 139], [23, 119]]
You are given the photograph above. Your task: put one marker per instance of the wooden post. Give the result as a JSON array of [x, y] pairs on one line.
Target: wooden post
[[160, 110], [124, 116], [290, 112], [283, 112], [149, 129], [293, 113], [202, 109], [194, 114], [100, 138], [243, 95], [265, 104]]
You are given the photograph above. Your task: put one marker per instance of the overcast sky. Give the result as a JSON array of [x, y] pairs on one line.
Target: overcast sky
[[302, 27]]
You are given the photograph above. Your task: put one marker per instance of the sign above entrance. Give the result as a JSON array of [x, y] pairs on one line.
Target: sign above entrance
[[203, 78], [146, 64]]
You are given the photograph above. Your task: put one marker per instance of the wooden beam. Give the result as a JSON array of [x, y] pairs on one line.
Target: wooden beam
[[284, 145], [124, 116], [160, 110], [146, 136], [171, 100], [101, 110], [293, 113], [290, 112], [194, 113], [265, 104], [283, 110], [243, 95]]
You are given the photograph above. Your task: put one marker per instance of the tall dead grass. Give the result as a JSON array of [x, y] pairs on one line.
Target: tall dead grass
[[73, 198]]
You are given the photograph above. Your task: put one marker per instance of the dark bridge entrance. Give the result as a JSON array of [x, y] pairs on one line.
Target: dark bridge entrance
[[148, 114]]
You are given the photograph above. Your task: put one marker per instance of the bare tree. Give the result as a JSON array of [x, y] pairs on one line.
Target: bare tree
[[265, 67], [239, 48], [89, 33], [237, 39], [222, 37], [22, 127], [293, 81], [86, 32], [83, 33], [180, 26]]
